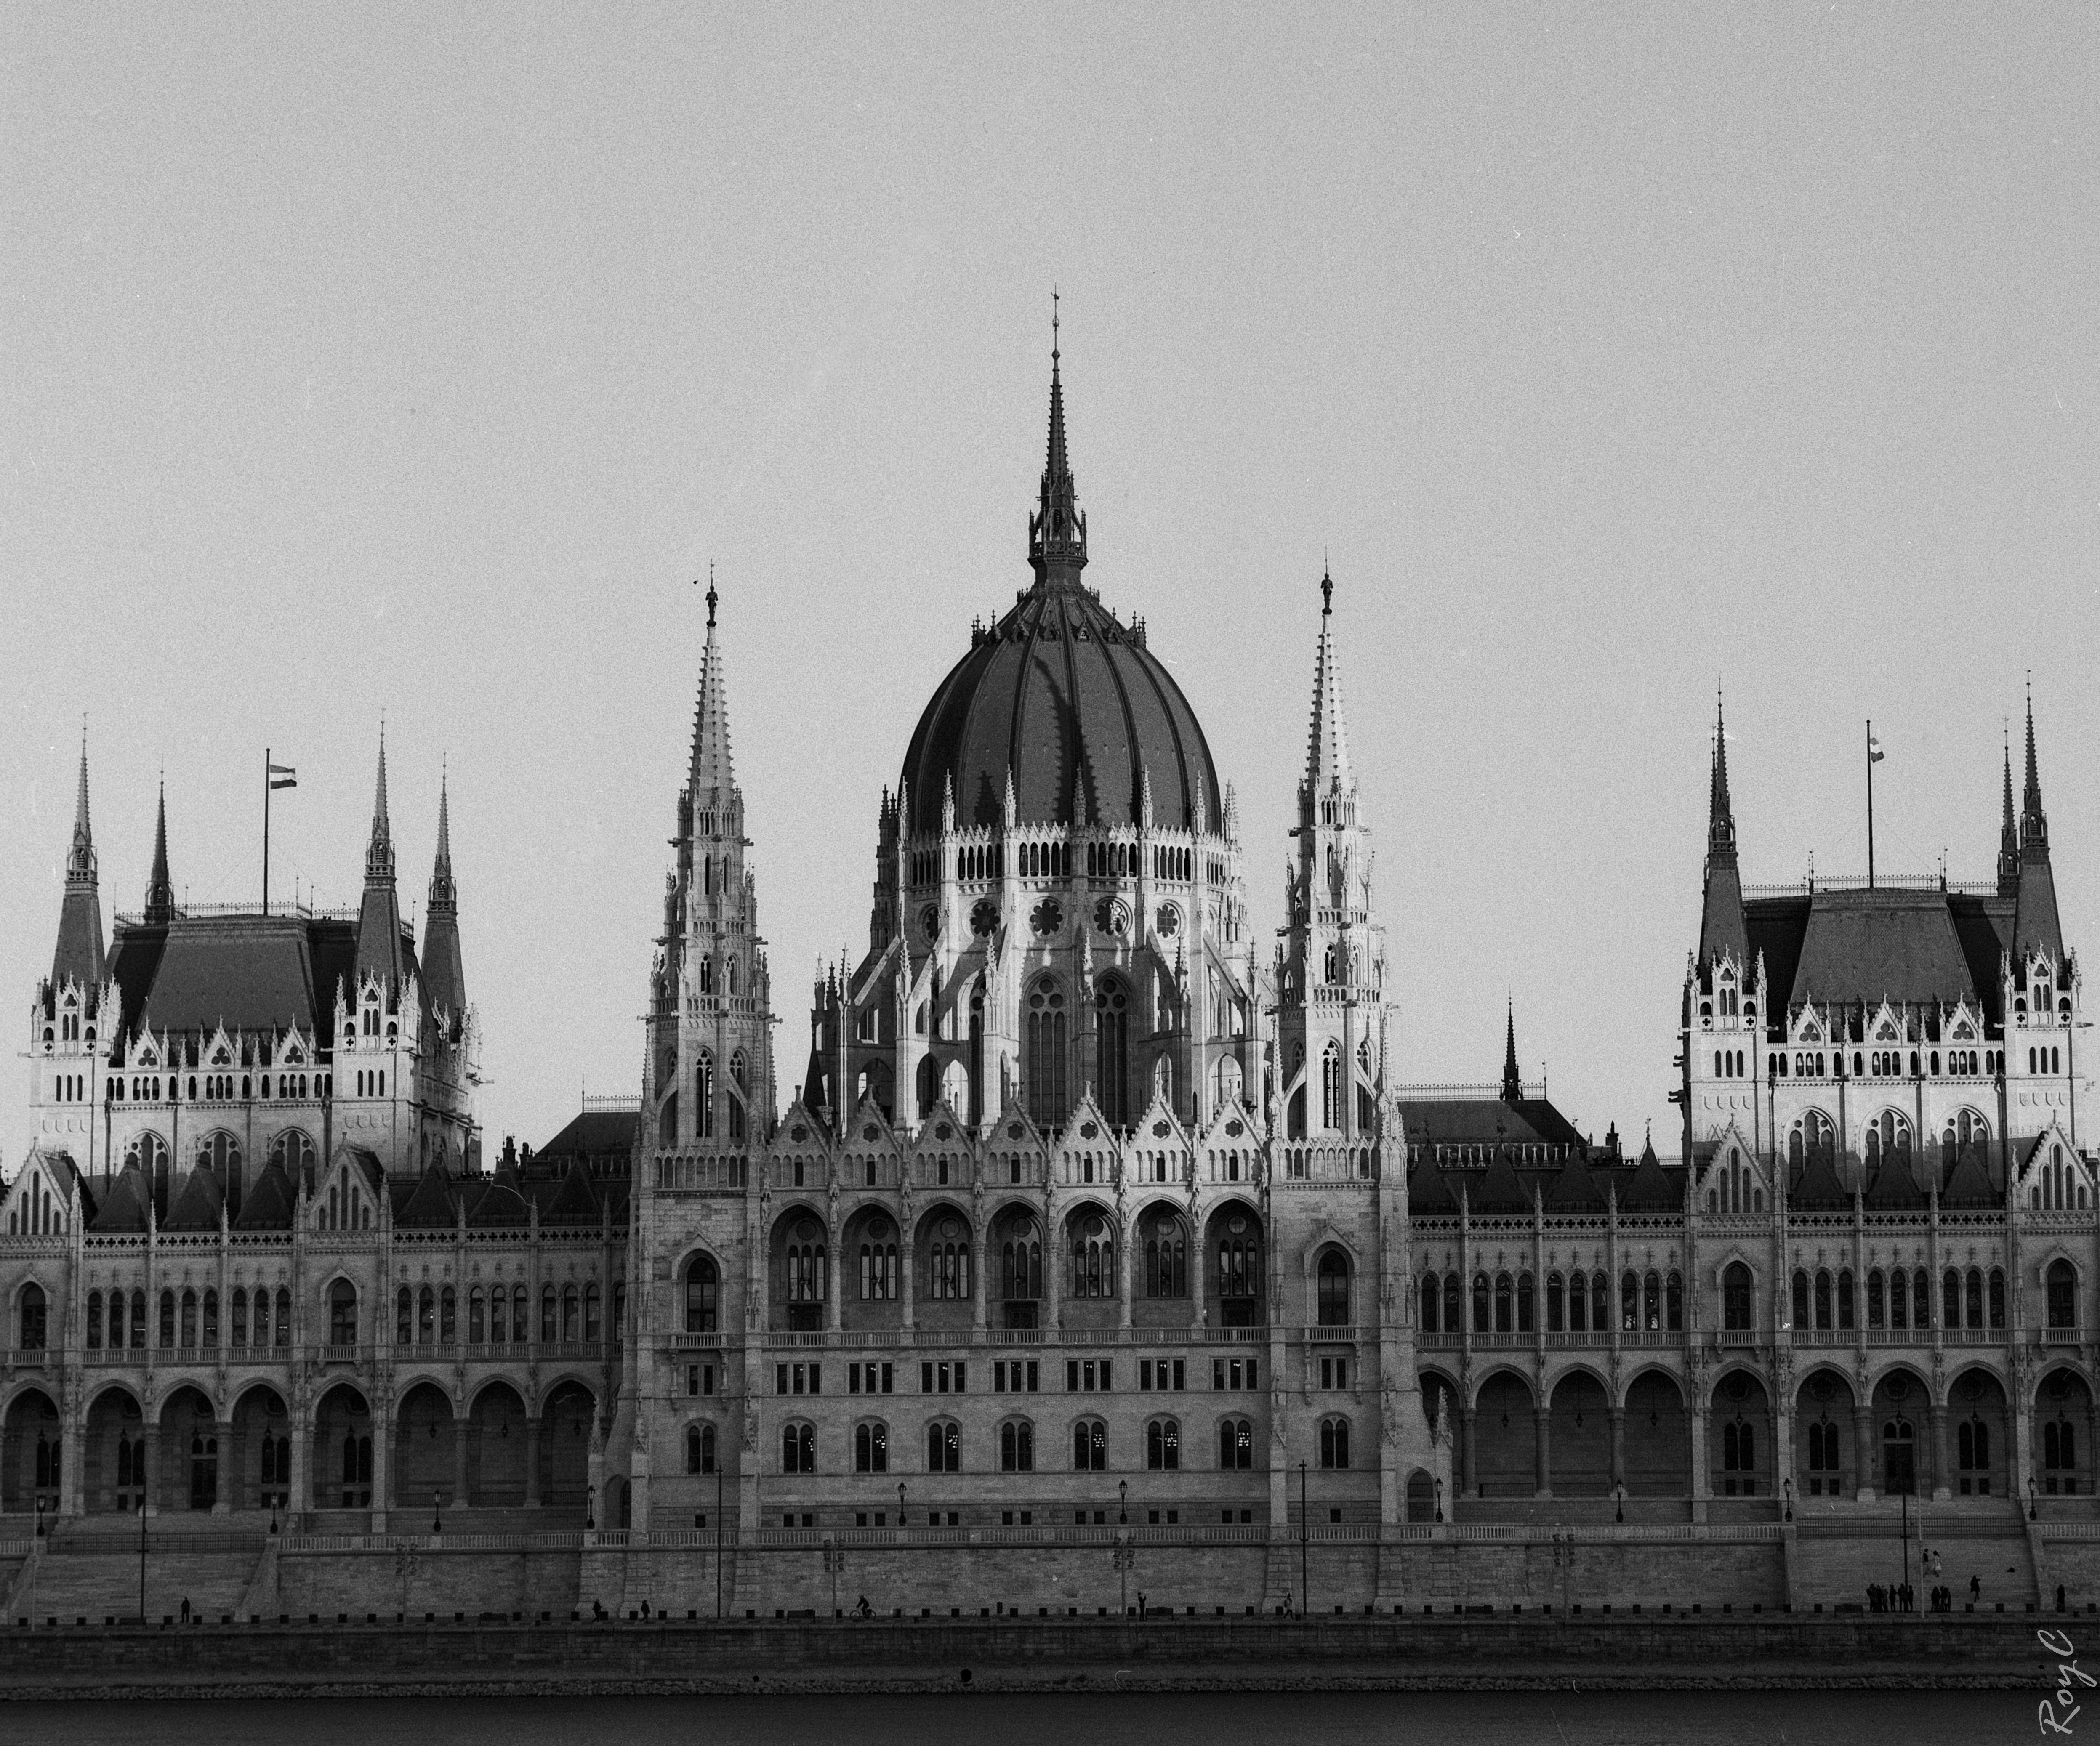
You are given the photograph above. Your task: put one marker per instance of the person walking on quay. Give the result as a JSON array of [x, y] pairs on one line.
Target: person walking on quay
[[186, 1609], [1975, 1591]]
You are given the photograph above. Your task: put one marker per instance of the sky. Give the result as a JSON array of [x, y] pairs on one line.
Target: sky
[[412, 363]]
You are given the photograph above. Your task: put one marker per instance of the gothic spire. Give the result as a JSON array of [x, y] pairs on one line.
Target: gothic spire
[[379, 852], [79, 954], [444, 975], [714, 777], [1722, 928], [2036, 926], [1057, 530], [160, 889], [2009, 833], [1512, 1084], [1328, 769]]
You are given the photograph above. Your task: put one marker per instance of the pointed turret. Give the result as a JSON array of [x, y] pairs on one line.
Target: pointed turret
[[2008, 836], [2036, 928], [379, 917], [1328, 770], [1057, 530], [444, 976], [714, 776], [80, 953], [160, 889], [1721, 927], [1512, 1082]]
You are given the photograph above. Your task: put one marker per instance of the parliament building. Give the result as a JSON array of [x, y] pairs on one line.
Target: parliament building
[[1101, 1240]]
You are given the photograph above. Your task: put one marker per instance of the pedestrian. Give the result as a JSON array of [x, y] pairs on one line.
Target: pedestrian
[[186, 1609], [1141, 1601], [2059, 1596], [1975, 1591]]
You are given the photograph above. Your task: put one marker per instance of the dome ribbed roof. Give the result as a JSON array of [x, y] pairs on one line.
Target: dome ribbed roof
[[1061, 696], [1077, 709]]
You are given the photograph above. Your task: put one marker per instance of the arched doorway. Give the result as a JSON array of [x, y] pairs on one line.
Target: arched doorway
[[189, 1451], [342, 1466], [496, 1449], [432, 1454], [258, 1472], [1505, 1439], [1739, 1459], [115, 1476], [2062, 1436], [1658, 1438], [1421, 1496], [1977, 1427], [1823, 1437], [565, 1431], [30, 1459], [1902, 1421], [1581, 1437]]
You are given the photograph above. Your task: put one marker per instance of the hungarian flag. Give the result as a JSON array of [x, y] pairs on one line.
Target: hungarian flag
[[285, 776], [1874, 753]]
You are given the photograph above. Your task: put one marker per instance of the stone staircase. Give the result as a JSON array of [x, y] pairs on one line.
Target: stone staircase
[[1835, 1560], [95, 1576]]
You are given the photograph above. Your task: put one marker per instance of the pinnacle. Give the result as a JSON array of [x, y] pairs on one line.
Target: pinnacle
[[379, 851], [713, 770], [1327, 764], [80, 858]]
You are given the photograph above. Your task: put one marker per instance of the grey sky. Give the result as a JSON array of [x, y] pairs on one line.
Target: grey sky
[[357, 360]]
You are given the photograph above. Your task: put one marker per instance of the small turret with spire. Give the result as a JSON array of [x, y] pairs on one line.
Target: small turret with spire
[[379, 916], [1057, 530], [1512, 1082], [160, 889], [2008, 835], [1722, 930], [2036, 928], [444, 974], [80, 954]]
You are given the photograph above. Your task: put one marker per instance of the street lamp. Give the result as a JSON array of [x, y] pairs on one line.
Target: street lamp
[[1122, 1505], [437, 1520], [1440, 1499], [1619, 1497], [2033, 1513], [590, 1508], [40, 1517], [900, 1503], [1787, 1485], [1304, 1554]]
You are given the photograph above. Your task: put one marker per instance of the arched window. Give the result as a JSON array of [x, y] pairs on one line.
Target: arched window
[[1166, 1256], [34, 1319], [1112, 1050], [948, 1260], [1016, 1447], [699, 1448], [1334, 1289], [1090, 1446], [944, 1446], [1021, 1262], [342, 1314], [94, 1321], [292, 1152], [1331, 1086], [704, 1094], [806, 1266], [1556, 1304], [1431, 1299], [1334, 1443], [1482, 1323], [1163, 1445], [2062, 1295], [1505, 1304], [1093, 1257], [1578, 1302], [1887, 1139], [1235, 1444], [798, 1447], [878, 1261], [1811, 1137], [1629, 1302], [1049, 1100], [1672, 1302], [1451, 1322], [871, 1448]]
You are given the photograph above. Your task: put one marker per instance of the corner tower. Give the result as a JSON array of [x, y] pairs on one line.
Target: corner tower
[[1330, 968]]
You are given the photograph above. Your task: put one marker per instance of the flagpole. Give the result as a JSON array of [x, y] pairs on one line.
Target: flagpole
[[265, 829], [1870, 804]]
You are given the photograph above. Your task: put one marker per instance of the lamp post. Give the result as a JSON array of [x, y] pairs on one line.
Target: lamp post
[[1126, 1555], [1787, 1486], [900, 1504], [835, 1561], [273, 1514], [2033, 1513], [1619, 1503], [1304, 1548], [437, 1519], [40, 1516], [1123, 1503], [141, 1558], [1440, 1499], [718, 1538], [590, 1509]]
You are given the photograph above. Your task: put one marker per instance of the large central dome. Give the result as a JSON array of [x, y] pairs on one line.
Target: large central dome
[[1063, 696]]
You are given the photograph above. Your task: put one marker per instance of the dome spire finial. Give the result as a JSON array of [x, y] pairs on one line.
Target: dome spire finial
[[1057, 531]]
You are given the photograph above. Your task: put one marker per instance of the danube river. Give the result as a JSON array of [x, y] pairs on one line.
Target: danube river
[[1674, 1719]]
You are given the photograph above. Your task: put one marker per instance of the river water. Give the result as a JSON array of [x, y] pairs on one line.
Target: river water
[[1677, 1718]]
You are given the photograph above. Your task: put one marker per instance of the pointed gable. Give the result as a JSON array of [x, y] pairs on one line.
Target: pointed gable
[[268, 1205], [1969, 1186], [197, 1204], [430, 1205], [1815, 1187], [1651, 1188], [1429, 1193], [124, 1208], [1893, 1189], [1575, 1190], [574, 1202], [1498, 1191], [502, 1203]]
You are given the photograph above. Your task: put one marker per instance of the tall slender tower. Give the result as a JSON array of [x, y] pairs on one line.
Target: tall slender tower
[[444, 973], [80, 954], [379, 916], [1330, 1017]]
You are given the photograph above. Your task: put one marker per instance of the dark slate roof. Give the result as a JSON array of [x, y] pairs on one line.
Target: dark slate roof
[[254, 973], [1429, 1192], [1651, 1188], [1486, 1121], [124, 1205], [1894, 1189], [1075, 706], [1907, 946], [269, 1203], [501, 1202], [197, 1204], [1817, 1187], [1497, 1190], [573, 1203], [429, 1205], [1574, 1190], [1969, 1186], [594, 1133]]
